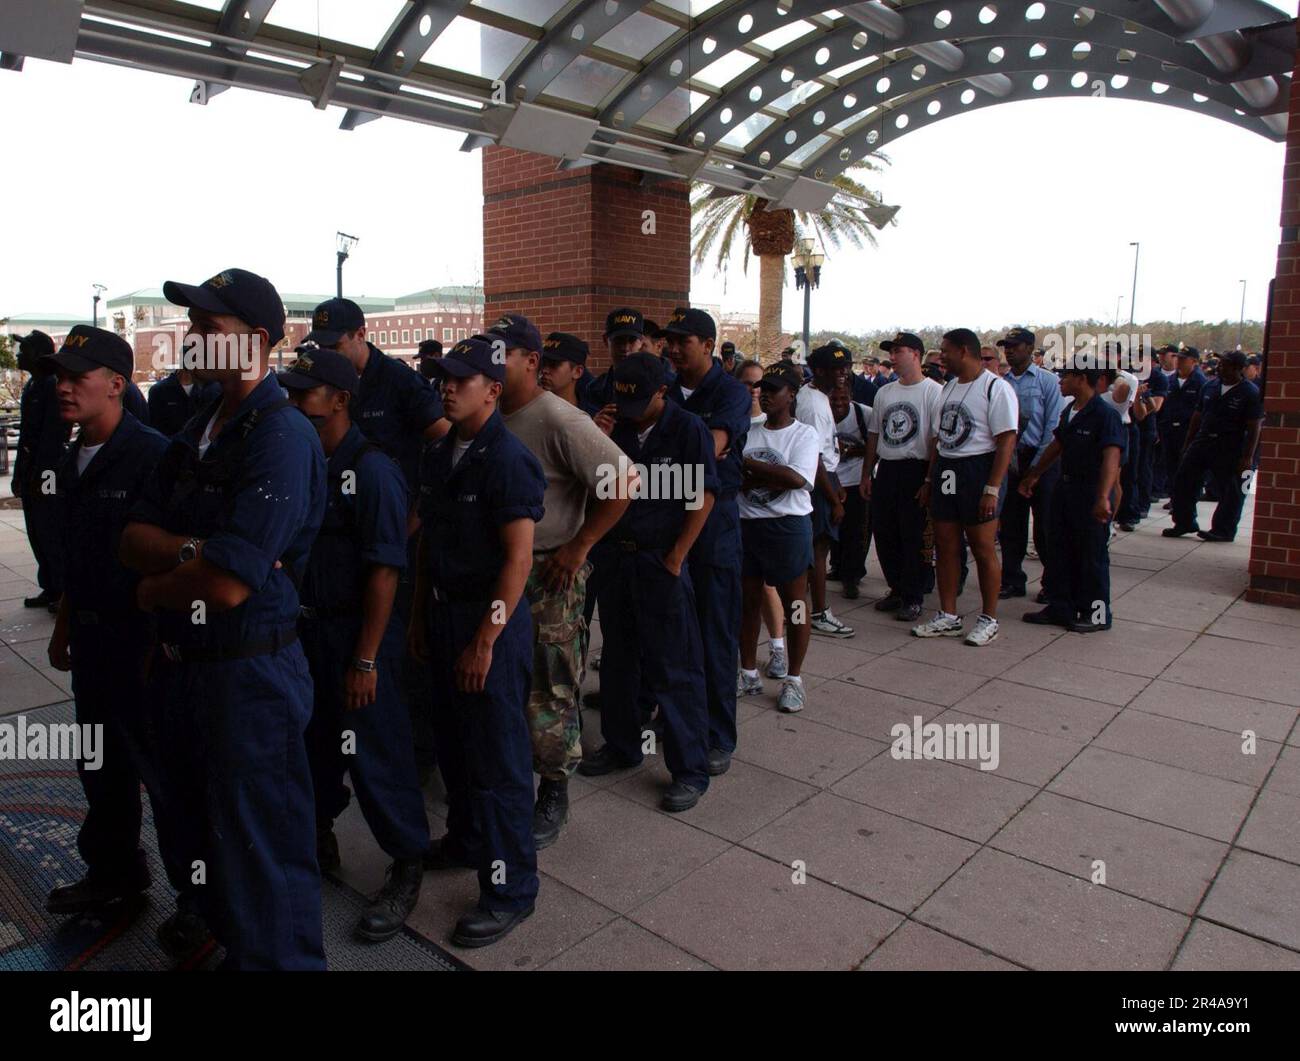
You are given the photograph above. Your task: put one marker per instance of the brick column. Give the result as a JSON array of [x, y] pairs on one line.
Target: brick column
[[1275, 540], [565, 248]]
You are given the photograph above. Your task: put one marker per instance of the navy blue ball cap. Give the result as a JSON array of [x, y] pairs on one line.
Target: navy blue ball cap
[[517, 331], [637, 379], [471, 357], [625, 321], [1018, 335], [88, 348], [908, 340], [333, 319], [561, 346], [831, 355], [782, 374], [316, 366], [35, 344], [1234, 357], [1189, 351], [431, 348], [237, 292], [686, 321]]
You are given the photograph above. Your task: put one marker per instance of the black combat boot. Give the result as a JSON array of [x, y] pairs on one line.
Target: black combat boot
[[393, 904], [551, 812]]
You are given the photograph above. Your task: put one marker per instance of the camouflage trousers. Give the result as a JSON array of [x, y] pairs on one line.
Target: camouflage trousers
[[559, 654]]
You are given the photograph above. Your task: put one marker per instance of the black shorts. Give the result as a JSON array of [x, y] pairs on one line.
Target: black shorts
[[957, 487], [777, 549]]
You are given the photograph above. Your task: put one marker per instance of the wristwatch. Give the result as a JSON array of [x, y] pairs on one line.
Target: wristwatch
[[189, 550], [366, 666], [992, 491]]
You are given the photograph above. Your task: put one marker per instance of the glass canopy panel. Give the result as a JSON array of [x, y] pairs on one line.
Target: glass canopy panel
[[848, 68], [637, 36], [795, 96], [694, 8], [798, 158], [669, 112], [783, 35], [534, 12], [340, 20], [586, 81], [742, 134], [472, 48], [723, 71]]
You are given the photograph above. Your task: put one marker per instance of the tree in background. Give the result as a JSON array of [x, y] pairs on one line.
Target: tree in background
[[849, 218]]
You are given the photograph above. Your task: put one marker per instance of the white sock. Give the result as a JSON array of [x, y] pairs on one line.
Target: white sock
[[794, 678], [949, 615], [778, 644], [749, 673]]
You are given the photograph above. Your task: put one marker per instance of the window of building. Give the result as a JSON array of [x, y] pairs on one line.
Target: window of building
[[406, 336], [417, 336], [370, 337], [461, 333], [383, 338], [446, 335]]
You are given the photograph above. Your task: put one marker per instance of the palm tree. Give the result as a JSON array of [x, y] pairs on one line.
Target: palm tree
[[848, 218]]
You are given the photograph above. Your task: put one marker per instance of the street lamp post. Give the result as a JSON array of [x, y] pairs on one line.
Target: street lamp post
[[807, 263], [1181, 313], [1242, 319], [345, 243], [1119, 301], [94, 304], [1132, 302]]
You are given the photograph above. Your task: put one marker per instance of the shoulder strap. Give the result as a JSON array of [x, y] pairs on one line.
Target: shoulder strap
[[862, 423]]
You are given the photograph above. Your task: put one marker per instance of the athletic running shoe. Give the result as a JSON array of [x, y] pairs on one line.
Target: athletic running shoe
[[986, 630], [791, 698], [777, 665], [940, 626], [748, 686], [826, 623], [908, 613]]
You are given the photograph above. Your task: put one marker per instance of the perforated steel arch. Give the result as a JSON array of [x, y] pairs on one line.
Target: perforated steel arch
[[743, 94]]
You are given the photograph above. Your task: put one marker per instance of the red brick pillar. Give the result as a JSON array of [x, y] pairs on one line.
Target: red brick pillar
[[1275, 541], [565, 248]]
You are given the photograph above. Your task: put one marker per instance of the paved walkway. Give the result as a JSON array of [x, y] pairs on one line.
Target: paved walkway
[[1120, 752]]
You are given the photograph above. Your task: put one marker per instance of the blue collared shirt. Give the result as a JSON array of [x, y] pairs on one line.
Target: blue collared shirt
[[1040, 399]]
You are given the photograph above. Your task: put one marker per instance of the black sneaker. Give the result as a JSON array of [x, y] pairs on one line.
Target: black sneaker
[[1007, 592], [42, 600], [484, 927], [851, 591], [604, 761], [719, 762], [1211, 536], [1047, 617], [1128, 528], [1178, 532], [679, 797], [890, 603], [908, 613], [184, 933], [93, 893], [1041, 597], [392, 904], [550, 812]]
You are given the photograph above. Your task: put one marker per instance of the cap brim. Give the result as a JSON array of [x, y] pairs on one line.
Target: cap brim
[[323, 338], [619, 333], [193, 296], [767, 383], [72, 362], [296, 381], [632, 409], [454, 366]]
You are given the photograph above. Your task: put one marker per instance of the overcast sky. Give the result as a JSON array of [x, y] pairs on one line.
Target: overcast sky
[[1021, 212]]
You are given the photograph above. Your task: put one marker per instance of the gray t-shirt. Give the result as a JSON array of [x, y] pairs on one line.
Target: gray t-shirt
[[572, 451]]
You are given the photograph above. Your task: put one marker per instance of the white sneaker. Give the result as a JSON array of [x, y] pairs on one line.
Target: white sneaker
[[940, 626], [746, 686], [826, 623], [986, 630], [777, 665], [791, 699]]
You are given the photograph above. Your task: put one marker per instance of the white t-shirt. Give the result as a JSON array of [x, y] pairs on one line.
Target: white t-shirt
[[1123, 407], [754, 421], [459, 450], [205, 440], [973, 414], [848, 430], [794, 446], [906, 418], [85, 455], [813, 408]]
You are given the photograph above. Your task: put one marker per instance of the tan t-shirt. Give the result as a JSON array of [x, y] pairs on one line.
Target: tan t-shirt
[[571, 450]]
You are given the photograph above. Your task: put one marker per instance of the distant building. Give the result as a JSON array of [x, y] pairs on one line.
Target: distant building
[[55, 325]]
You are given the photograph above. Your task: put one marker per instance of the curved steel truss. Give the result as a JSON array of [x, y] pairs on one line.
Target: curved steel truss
[[773, 97]]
